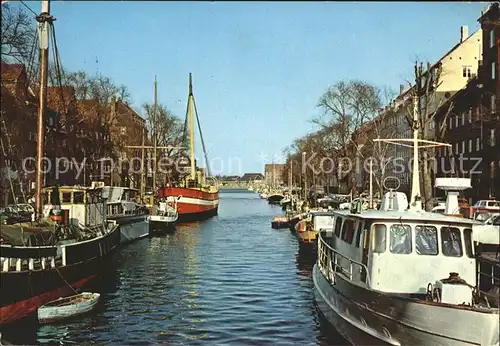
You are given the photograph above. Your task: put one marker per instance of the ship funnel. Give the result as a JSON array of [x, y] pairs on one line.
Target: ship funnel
[[452, 186]]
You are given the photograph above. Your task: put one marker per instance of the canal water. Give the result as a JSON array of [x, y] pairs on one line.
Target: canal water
[[229, 280]]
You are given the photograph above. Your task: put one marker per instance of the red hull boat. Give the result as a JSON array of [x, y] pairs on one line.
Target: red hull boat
[[194, 203]]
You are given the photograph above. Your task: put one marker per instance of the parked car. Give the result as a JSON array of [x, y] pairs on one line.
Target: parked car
[[486, 205]]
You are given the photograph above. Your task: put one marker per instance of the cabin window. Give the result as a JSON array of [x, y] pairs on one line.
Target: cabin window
[[78, 197], [451, 244], [66, 197], [379, 238], [348, 231], [468, 242], [358, 234], [338, 226], [426, 240], [400, 239]]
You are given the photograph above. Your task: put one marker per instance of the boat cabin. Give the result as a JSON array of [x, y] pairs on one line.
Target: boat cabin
[[121, 200], [322, 221], [86, 206], [379, 249]]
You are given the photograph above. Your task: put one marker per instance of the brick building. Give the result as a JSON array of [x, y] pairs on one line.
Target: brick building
[[273, 174], [473, 123]]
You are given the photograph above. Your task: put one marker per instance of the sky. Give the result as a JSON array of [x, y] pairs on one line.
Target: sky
[[258, 68]]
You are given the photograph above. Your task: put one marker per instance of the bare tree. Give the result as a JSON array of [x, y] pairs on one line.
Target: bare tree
[[18, 34]]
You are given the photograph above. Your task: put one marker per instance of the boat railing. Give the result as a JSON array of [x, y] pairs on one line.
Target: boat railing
[[328, 263], [14, 258]]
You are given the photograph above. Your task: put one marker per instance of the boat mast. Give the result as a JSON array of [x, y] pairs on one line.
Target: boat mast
[[155, 109], [191, 128], [44, 20], [142, 166]]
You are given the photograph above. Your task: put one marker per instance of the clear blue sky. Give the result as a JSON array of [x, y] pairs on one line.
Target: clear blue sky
[[258, 68]]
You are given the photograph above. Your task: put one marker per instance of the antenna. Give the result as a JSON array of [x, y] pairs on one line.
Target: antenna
[[414, 143]]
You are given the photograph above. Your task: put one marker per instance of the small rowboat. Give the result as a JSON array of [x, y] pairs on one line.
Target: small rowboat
[[67, 307], [279, 222]]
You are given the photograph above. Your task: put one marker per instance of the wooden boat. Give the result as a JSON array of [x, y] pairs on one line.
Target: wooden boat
[[275, 198], [197, 198], [280, 222], [67, 307], [309, 228], [35, 266]]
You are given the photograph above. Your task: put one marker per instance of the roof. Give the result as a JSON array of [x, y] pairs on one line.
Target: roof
[[11, 72], [252, 176], [124, 106], [57, 95], [423, 216]]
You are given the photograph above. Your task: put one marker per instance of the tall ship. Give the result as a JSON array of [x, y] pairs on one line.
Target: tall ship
[[197, 194], [403, 276]]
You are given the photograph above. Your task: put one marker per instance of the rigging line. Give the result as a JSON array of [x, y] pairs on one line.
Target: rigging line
[[29, 8], [31, 58], [184, 131], [201, 136]]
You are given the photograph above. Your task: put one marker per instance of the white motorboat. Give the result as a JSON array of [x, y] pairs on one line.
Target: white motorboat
[[403, 276], [164, 215]]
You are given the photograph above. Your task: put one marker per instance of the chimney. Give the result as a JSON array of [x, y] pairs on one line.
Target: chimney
[[464, 33], [401, 88]]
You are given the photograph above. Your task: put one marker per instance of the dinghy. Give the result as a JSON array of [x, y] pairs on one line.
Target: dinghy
[[67, 307]]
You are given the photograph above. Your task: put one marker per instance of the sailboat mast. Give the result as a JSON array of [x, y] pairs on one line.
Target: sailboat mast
[[43, 29], [142, 166], [191, 128], [155, 111]]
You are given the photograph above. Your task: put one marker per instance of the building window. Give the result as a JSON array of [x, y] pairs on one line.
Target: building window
[[456, 121], [470, 115], [451, 123], [463, 118], [478, 113], [493, 105], [478, 144], [493, 70], [492, 137], [470, 145], [463, 147], [492, 38], [466, 71], [456, 148]]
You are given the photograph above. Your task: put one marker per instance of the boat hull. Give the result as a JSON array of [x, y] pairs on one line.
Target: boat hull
[[364, 316], [133, 227], [194, 204], [23, 292], [161, 224]]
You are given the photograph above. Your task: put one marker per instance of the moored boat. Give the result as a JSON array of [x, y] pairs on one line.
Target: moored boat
[[275, 198], [122, 207], [280, 222], [197, 194], [363, 286], [164, 216], [309, 228], [49, 261], [67, 307]]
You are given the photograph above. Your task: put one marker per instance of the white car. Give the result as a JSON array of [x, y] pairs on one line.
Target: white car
[[489, 232], [486, 204]]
